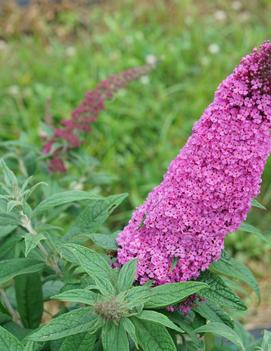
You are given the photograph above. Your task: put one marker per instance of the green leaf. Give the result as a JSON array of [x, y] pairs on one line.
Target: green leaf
[[245, 227], [220, 293], [95, 214], [185, 324], [6, 230], [31, 242], [29, 299], [266, 343], [51, 287], [152, 336], [9, 342], [114, 337], [236, 269], [71, 323], [79, 342], [130, 329], [9, 177], [168, 294], [17, 266], [156, 317], [213, 313], [127, 275], [78, 296], [257, 204], [95, 265], [9, 219], [63, 198], [32, 346], [105, 241], [222, 330], [138, 296]]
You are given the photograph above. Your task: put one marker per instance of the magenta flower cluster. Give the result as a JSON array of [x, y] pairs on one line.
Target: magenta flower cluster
[[207, 191], [69, 136]]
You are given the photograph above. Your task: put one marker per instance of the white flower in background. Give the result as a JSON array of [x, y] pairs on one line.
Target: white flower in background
[[13, 90], [151, 59], [3, 45], [70, 51], [220, 15], [236, 5], [213, 48]]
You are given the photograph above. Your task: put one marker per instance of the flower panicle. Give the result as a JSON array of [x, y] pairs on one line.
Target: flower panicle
[[70, 134], [207, 190]]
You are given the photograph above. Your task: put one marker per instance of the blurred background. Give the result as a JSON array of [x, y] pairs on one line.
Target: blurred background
[[52, 52]]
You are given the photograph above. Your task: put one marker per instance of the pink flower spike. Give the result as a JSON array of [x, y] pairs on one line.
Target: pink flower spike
[[207, 190]]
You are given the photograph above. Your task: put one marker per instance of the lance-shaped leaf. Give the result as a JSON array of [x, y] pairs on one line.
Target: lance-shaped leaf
[[78, 296], [246, 227], [152, 336], [31, 241], [114, 337], [95, 214], [213, 313], [235, 269], [220, 293], [17, 266], [130, 330], [77, 321], [256, 203], [95, 265], [168, 294], [9, 342], [105, 241], [156, 317], [138, 296], [127, 275], [63, 198], [79, 342], [8, 219], [223, 330], [29, 299]]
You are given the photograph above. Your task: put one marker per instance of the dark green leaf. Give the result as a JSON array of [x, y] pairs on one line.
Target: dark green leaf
[[114, 337], [168, 294], [152, 336], [17, 266], [127, 275], [238, 270], [71, 323], [223, 330], [213, 313], [220, 293], [29, 299]]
